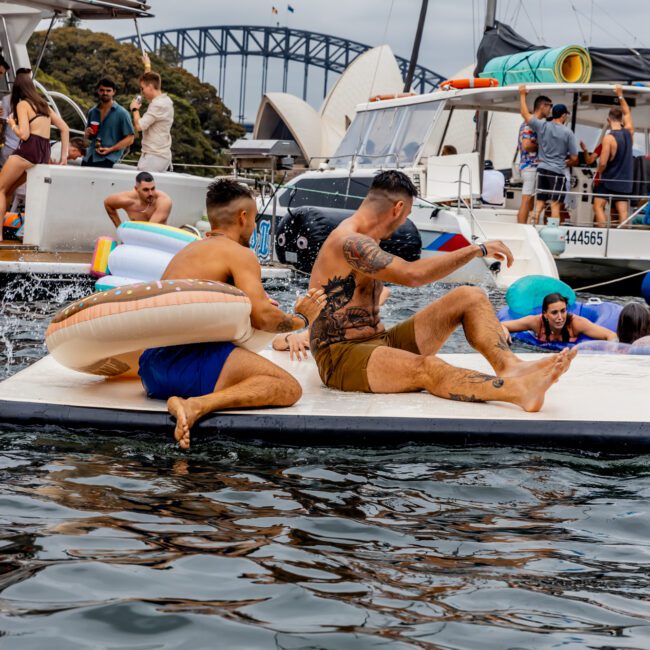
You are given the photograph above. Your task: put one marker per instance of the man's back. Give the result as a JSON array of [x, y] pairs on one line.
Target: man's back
[[555, 142], [208, 259]]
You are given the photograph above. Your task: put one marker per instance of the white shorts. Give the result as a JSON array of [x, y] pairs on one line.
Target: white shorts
[[149, 162], [528, 177]]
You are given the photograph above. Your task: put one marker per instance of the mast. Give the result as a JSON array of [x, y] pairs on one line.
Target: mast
[[482, 122], [416, 46]]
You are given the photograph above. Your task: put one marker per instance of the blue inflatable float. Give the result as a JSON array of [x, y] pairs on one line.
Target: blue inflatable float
[[525, 297]]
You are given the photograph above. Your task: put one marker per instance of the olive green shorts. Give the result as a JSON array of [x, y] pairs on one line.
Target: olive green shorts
[[344, 365]]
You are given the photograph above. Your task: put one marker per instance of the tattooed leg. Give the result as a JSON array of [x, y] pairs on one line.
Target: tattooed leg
[[396, 371], [471, 308]]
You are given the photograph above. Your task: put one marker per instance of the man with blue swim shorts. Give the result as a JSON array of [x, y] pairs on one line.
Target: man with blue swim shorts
[[199, 378]]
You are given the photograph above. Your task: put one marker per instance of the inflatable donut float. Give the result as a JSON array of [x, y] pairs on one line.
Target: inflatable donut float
[[99, 334]]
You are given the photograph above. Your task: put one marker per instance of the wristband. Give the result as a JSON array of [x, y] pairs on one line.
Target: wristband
[[483, 248], [135, 110], [304, 318]]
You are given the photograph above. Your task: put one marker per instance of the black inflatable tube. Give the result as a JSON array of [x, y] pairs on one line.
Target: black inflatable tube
[[300, 430]]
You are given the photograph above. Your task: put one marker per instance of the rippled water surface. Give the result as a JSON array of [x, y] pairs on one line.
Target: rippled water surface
[[131, 543]]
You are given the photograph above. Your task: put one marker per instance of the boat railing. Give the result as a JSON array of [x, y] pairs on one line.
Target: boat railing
[[474, 224]]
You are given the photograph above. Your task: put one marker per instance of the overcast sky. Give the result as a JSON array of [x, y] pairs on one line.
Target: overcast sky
[[451, 34]]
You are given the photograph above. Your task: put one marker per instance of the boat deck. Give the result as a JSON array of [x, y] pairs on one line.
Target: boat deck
[[598, 405]]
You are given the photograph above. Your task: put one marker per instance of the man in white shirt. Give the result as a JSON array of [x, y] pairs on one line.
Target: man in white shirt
[[155, 124], [493, 185]]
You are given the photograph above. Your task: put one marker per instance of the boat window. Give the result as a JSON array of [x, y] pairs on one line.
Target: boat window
[[390, 137], [344, 193]]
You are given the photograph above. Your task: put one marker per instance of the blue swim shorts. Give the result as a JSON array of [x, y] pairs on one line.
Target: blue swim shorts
[[183, 370]]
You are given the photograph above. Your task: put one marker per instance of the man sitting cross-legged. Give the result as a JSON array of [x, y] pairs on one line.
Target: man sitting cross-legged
[[353, 350], [199, 378]]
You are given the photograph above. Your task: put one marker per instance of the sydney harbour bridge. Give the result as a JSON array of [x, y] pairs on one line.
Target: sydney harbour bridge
[[236, 44]]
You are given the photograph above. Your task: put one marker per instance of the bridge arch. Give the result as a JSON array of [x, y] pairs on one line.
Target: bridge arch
[[312, 49]]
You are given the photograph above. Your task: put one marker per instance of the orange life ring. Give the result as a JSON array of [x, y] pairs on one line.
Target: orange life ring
[[381, 98], [476, 82]]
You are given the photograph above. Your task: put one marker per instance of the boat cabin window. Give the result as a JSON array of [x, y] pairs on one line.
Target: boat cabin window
[[344, 193], [388, 137]]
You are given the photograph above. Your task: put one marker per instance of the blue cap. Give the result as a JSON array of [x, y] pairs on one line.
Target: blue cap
[[559, 110]]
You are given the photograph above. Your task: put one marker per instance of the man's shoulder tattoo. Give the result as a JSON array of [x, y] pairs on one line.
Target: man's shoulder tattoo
[[364, 254]]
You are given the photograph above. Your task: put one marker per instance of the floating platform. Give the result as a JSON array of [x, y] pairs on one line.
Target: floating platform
[[600, 404]]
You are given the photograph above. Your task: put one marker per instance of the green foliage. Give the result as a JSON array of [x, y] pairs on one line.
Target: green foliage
[[75, 59]]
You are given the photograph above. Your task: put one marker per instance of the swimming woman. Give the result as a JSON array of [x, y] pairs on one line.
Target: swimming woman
[[556, 324], [30, 119]]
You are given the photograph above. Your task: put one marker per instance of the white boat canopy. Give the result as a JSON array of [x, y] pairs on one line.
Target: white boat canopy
[[92, 9]]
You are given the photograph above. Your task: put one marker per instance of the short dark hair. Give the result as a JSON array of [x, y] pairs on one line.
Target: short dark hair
[[144, 177], [107, 82], [542, 99], [151, 79], [616, 114], [394, 182], [221, 193], [633, 322], [225, 190], [79, 143], [4, 64]]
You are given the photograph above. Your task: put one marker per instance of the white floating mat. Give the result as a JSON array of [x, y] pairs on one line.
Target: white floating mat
[[600, 403]]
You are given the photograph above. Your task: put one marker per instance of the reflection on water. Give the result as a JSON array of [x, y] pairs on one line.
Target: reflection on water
[[118, 543]]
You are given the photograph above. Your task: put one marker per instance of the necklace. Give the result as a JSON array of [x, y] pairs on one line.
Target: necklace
[[213, 233]]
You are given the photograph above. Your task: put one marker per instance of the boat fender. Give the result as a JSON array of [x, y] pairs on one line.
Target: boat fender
[[462, 84], [302, 231], [99, 260], [104, 333]]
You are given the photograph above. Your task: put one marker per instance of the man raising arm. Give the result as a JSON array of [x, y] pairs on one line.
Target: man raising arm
[[353, 350]]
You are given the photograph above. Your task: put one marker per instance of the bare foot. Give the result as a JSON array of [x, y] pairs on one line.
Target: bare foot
[[534, 385], [185, 418], [521, 368]]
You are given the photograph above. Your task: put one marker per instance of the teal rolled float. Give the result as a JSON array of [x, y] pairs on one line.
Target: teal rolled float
[[571, 64], [527, 294]]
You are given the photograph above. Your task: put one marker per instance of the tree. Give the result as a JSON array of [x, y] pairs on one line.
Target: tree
[[78, 58]]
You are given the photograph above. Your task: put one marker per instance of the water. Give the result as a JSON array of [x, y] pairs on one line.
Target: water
[[123, 543]]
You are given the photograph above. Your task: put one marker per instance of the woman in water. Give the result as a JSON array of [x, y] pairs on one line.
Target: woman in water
[[556, 324], [30, 119], [634, 324]]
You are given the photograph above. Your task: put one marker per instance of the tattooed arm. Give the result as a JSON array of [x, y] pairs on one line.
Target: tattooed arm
[[364, 255], [247, 276]]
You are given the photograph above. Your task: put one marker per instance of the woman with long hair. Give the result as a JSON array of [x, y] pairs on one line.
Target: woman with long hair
[[633, 323], [30, 119], [557, 324]]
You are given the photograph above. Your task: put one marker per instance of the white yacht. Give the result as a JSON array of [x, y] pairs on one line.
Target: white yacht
[[409, 133], [64, 212]]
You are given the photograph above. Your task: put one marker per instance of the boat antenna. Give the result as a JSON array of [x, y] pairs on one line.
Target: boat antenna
[[45, 40], [416, 47]]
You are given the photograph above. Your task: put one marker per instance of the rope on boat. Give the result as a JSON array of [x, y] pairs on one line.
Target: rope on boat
[[600, 284]]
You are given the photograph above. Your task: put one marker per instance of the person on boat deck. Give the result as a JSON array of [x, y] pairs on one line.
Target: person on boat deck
[[355, 352], [634, 324], [11, 140], [555, 323], [143, 203], [615, 164], [155, 124], [200, 378], [494, 183], [30, 119], [449, 150], [557, 148], [528, 157], [109, 128]]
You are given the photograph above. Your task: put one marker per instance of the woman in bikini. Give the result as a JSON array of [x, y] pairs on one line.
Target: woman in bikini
[[556, 324], [30, 119]]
